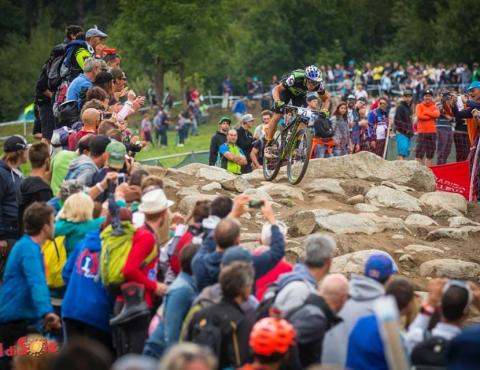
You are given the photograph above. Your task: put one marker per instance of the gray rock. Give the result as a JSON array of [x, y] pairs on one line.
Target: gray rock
[[382, 196], [364, 223], [368, 166], [454, 204], [364, 207], [406, 258], [187, 204], [325, 185], [450, 268], [256, 175], [418, 220], [320, 198], [258, 194], [186, 191], [398, 237], [282, 190], [212, 186], [396, 186], [356, 199], [238, 184], [353, 263], [417, 248], [301, 223], [215, 174], [458, 221], [461, 233], [193, 168]]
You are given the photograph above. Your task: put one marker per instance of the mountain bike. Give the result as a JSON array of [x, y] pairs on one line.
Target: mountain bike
[[294, 143]]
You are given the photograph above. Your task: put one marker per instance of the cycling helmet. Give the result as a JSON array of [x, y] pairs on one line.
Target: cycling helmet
[[271, 336], [313, 74]]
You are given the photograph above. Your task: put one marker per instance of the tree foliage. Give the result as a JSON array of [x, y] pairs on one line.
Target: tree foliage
[[200, 42]]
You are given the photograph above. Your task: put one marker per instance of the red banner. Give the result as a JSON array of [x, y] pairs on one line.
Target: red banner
[[453, 177]]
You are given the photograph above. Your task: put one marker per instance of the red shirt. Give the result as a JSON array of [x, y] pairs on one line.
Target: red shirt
[[135, 271], [184, 240], [262, 284], [75, 137]]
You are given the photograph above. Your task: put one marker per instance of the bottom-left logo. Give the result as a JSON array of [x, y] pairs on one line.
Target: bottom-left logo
[[30, 345]]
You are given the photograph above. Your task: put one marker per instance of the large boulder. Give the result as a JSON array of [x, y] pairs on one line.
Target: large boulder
[[450, 268], [353, 263], [418, 220], [282, 190], [363, 223], [325, 185], [210, 173], [438, 201], [301, 223], [458, 221], [238, 184], [461, 233], [187, 204], [366, 208], [368, 166], [418, 248], [383, 196]]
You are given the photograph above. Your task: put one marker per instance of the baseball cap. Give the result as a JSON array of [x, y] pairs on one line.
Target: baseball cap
[[118, 74], [428, 92], [351, 97], [379, 267], [312, 96], [407, 92], [98, 144], [234, 254], [154, 201], [247, 118], [224, 118], [103, 77], [95, 32], [116, 154], [14, 143], [474, 85]]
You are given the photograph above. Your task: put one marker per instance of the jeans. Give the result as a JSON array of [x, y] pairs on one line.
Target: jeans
[[444, 144], [321, 151], [162, 133], [338, 152]]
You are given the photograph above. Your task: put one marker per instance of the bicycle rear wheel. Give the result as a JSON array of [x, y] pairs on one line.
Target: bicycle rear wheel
[[271, 166], [299, 155]]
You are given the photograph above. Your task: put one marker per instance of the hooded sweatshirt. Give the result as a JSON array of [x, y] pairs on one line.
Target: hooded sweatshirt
[[363, 293], [32, 189], [82, 169], [75, 231], [9, 185], [217, 140], [86, 299]]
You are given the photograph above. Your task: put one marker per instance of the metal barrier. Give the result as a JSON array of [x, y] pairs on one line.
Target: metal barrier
[[188, 157]]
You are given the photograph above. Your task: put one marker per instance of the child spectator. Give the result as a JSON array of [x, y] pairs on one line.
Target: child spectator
[[146, 127]]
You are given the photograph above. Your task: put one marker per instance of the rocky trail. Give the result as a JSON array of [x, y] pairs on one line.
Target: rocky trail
[[364, 202]]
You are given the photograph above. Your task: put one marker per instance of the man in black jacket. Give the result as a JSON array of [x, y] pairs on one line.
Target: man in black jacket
[[218, 139], [15, 154], [245, 139], [403, 125]]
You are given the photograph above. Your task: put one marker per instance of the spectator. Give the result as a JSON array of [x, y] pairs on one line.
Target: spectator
[[227, 90], [160, 126], [24, 295], [378, 127], [15, 154], [146, 127], [239, 108], [119, 82], [360, 92], [83, 354], [91, 118], [218, 140], [96, 39], [261, 129], [444, 135], [245, 139], [295, 287], [79, 86], [352, 112], [365, 346], [316, 316], [270, 342], [427, 113], [112, 59], [183, 126], [179, 298], [463, 349], [232, 156], [360, 128], [364, 290], [188, 356], [404, 126], [85, 166], [75, 220], [342, 133], [104, 80], [236, 283], [35, 188], [206, 264]]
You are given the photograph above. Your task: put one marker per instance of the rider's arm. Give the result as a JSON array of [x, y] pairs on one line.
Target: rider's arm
[[325, 100], [276, 91]]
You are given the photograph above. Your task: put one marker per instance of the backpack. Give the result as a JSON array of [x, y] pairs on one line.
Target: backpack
[[60, 137], [53, 67], [114, 254], [431, 353], [54, 257], [323, 128], [267, 303]]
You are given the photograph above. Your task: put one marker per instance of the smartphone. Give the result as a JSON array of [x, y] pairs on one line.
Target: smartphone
[[105, 115], [256, 204]]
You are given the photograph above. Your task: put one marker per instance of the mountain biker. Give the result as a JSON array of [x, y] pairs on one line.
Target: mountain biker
[[294, 88]]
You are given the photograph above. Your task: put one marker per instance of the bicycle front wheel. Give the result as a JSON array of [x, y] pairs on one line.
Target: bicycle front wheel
[[299, 155]]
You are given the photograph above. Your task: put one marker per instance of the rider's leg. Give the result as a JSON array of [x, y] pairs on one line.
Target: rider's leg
[[272, 127]]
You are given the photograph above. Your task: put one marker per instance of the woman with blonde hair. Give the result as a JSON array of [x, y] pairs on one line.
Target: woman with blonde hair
[[187, 356], [75, 220]]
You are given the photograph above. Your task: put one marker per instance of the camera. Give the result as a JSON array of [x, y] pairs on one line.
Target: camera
[[256, 204], [105, 115]]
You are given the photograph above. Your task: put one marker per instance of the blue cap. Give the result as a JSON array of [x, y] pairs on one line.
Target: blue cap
[[379, 267], [234, 254], [474, 85]]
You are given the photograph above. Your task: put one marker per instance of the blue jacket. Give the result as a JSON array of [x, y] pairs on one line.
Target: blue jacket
[[24, 294], [75, 231], [206, 263], [9, 186], [85, 298], [179, 298], [79, 84], [365, 346]]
